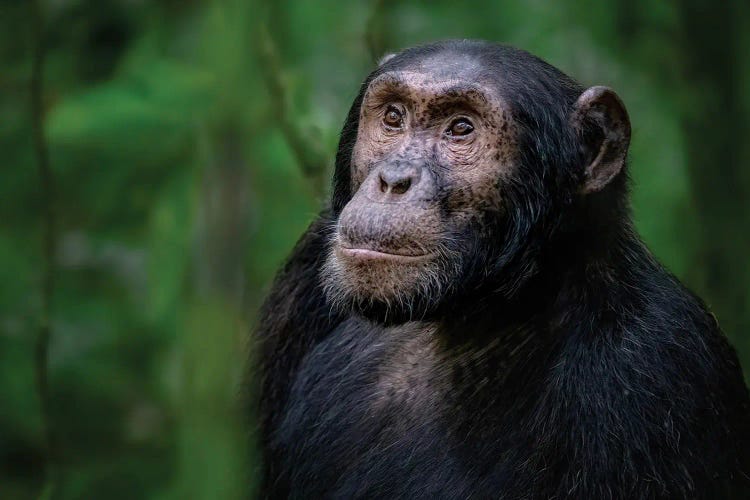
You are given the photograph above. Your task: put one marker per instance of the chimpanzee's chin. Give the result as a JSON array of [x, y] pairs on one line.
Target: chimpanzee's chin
[[387, 290]]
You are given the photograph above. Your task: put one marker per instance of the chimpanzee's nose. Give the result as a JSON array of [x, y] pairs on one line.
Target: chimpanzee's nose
[[397, 181]]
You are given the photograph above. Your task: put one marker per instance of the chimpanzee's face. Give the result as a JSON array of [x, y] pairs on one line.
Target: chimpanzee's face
[[434, 146], [467, 158]]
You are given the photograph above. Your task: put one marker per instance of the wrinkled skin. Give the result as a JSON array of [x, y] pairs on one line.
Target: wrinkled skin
[[418, 186], [474, 316]]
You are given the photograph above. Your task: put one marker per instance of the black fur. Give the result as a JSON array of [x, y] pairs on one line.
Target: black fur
[[570, 363]]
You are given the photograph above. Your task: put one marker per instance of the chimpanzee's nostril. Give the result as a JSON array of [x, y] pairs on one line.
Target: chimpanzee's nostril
[[396, 182], [401, 186], [383, 184]]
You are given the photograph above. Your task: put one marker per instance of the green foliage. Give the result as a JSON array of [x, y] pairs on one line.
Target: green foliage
[[178, 196]]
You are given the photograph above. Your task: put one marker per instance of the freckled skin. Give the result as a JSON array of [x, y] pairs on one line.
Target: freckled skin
[[460, 177], [469, 166], [474, 316]]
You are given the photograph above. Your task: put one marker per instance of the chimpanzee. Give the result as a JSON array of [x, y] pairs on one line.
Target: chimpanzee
[[474, 315]]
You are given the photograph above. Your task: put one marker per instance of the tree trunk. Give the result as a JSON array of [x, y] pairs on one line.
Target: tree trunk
[[716, 132]]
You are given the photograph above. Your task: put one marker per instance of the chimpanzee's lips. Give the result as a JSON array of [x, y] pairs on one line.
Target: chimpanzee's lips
[[367, 254]]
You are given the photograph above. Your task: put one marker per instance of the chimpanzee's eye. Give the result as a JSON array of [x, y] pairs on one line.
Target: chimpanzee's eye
[[459, 127], [393, 117]]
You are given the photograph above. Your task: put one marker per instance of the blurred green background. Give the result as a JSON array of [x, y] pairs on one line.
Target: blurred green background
[[188, 143]]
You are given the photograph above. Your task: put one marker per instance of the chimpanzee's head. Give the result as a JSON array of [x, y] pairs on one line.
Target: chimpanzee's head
[[458, 164]]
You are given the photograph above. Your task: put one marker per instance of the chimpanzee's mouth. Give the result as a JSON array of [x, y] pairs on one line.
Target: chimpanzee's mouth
[[368, 254]]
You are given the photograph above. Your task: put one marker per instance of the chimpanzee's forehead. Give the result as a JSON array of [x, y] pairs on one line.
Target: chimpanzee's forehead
[[449, 65], [427, 83], [440, 72], [504, 72], [443, 65], [428, 90]]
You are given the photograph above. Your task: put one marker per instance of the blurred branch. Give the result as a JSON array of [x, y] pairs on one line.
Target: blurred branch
[[712, 64], [374, 38], [48, 273], [11, 84], [311, 157]]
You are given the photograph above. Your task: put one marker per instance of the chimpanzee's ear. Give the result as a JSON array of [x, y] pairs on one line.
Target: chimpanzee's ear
[[603, 127], [385, 59]]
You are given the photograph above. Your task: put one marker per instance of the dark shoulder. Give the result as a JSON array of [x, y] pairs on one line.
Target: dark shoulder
[[683, 334], [655, 386], [655, 330], [644, 312]]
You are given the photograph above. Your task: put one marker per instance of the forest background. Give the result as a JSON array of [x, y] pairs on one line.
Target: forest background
[[160, 159]]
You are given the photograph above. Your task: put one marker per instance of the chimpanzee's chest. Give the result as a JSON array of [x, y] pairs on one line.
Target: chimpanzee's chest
[[372, 413]]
